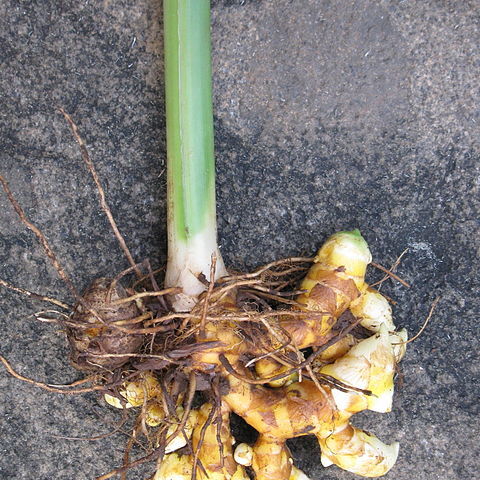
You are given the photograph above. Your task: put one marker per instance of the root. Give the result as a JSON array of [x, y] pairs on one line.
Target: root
[[46, 247], [128, 447], [208, 295], [41, 238], [160, 293], [188, 407], [284, 268], [35, 296], [203, 431], [101, 192], [389, 272], [118, 428], [42, 316], [147, 458], [45, 386], [425, 323]]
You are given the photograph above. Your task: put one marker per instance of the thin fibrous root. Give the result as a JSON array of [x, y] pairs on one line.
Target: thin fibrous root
[[46, 386], [394, 266], [188, 407], [208, 295], [36, 296], [147, 458], [101, 192], [118, 428], [208, 422], [128, 448], [160, 293], [269, 266], [43, 317], [46, 247], [40, 236], [425, 323], [390, 274]]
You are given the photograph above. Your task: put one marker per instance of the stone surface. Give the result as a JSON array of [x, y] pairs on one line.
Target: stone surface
[[329, 115]]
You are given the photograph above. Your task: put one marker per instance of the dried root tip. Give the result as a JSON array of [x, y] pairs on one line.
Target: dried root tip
[[179, 441], [116, 402], [369, 365], [374, 310], [146, 391], [142, 390], [358, 452], [154, 414]]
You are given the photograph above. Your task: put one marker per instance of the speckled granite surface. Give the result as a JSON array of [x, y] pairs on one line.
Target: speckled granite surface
[[329, 115]]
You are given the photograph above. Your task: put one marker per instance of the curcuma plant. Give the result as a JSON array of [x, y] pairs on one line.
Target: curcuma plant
[[295, 348]]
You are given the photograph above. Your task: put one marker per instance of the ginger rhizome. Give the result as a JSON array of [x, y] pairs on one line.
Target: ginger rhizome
[[290, 356], [253, 362]]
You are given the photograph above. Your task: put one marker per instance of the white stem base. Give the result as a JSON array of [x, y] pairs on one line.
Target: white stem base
[[186, 262]]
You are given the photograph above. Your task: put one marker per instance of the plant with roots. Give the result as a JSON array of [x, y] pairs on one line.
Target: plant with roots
[[295, 348]]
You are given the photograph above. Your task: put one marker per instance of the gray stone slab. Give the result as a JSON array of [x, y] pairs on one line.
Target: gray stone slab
[[329, 115]]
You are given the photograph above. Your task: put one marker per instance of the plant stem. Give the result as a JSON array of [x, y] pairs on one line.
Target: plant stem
[[192, 235]]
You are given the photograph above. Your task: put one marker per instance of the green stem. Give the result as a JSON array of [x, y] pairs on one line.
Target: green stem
[[190, 155], [191, 174]]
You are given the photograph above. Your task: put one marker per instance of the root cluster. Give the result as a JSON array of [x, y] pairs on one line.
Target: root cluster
[[294, 348]]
